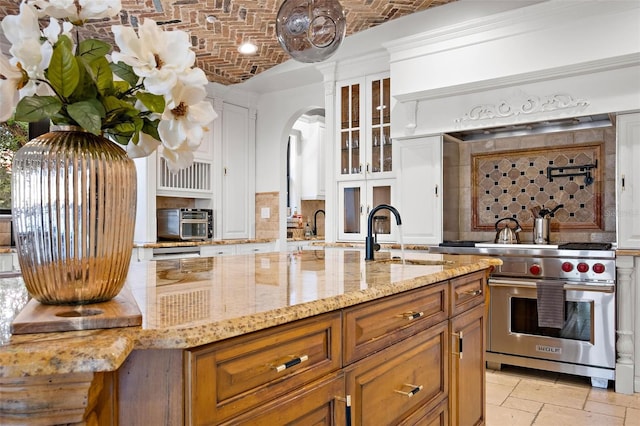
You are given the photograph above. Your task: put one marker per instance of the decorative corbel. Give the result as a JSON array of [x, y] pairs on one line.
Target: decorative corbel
[[411, 109]]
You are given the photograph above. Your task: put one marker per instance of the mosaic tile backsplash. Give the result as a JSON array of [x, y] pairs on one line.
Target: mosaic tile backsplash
[[511, 183]]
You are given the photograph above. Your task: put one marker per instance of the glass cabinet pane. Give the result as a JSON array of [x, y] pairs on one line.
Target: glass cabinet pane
[[382, 219], [351, 212], [381, 160], [350, 136]]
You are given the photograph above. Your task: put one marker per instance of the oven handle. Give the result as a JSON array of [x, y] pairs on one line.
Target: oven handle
[[607, 288]]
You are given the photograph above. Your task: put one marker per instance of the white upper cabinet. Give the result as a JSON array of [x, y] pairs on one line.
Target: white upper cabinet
[[238, 172], [364, 127], [419, 184], [628, 181]]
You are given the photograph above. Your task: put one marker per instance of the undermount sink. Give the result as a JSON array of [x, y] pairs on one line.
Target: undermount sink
[[424, 262]]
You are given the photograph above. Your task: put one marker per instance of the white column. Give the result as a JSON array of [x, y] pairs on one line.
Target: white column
[[624, 345]]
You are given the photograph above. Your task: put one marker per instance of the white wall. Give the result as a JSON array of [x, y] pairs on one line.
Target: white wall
[[277, 112]]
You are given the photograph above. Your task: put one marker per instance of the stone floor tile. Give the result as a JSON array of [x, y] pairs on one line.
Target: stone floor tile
[[553, 393], [522, 404], [502, 416], [609, 397], [553, 415], [632, 417], [497, 393], [608, 409]]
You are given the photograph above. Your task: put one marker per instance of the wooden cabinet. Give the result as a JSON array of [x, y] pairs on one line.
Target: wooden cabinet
[[467, 391], [389, 385], [376, 325], [229, 378], [628, 180], [414, 358]]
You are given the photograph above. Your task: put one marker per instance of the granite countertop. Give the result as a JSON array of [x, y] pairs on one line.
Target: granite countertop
[[191, 302], [162, 244]]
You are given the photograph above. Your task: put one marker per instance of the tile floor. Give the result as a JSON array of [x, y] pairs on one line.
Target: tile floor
[[518, 396]]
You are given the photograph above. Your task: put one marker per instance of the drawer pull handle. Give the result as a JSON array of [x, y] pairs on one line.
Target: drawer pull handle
[[291, 363], [459, 353], [410, 316], [414, 390], [473, 292]]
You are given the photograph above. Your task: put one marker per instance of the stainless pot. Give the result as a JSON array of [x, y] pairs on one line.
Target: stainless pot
[[541, 226], [508, 235]]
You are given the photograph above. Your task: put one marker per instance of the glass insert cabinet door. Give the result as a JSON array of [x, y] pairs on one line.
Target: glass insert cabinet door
[[356, 199], [365, 126], [380, 137], [350, 135]]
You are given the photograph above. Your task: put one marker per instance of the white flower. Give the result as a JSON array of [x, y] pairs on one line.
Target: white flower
[[157, 55], [145, 146], [27, 48], [54, 30], [77, 10], [11, 80]]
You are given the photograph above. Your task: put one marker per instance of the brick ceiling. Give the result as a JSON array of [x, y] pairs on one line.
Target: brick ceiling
[[237, 20]]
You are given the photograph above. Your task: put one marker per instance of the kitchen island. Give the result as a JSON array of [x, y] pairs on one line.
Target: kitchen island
[[265, 337]]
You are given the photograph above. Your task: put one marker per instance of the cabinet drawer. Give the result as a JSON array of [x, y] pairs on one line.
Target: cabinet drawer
[[389, 386], [319, 403], [378, 324], [438, 416], [467, 291], [230, 377]]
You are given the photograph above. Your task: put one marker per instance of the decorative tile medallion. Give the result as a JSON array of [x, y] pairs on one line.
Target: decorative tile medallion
[[511, 183]]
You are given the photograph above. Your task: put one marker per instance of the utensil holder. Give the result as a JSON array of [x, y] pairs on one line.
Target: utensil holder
[[541, 226]]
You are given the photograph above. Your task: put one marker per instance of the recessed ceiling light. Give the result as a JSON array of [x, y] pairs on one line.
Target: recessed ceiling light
[[247, 48]]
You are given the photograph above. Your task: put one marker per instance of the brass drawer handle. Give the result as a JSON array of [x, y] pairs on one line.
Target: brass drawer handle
[[410, 316], [473, 292], [459, 353], [414, 390], [291, 363]]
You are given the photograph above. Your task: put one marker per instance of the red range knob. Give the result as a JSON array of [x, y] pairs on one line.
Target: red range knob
[[567, 267], [582, 267], [598, 268], [535, 269]]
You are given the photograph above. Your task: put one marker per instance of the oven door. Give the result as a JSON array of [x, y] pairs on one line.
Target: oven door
[[588, 335]]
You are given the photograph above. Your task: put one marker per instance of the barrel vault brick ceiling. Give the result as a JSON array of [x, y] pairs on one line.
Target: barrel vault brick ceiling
[[235, 21]]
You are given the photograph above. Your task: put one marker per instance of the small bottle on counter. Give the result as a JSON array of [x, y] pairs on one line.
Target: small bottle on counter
[[307, 230]]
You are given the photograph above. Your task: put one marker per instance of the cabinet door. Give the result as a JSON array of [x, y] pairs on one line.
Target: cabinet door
[[351, 118], [238, 187], [467, 393], [392, 384], [356, 199], [419, 189], [628, 181], [320, 403]]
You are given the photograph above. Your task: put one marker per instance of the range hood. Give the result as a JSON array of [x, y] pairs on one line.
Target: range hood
[[536, 128]]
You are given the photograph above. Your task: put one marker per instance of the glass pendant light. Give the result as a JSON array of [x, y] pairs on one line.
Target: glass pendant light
[[310, 30]]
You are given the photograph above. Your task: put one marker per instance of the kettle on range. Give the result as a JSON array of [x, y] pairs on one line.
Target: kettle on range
[[508, 235]]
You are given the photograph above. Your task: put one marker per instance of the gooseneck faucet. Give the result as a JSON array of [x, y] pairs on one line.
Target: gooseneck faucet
[[315, 217], [369, 242]]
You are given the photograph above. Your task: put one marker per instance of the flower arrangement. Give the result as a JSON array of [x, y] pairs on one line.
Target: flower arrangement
[[145, 94]]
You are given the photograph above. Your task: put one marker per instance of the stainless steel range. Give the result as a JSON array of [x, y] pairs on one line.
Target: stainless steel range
[[552, 307]]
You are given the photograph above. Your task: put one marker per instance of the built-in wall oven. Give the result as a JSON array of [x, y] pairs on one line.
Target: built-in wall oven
[[553, 308]]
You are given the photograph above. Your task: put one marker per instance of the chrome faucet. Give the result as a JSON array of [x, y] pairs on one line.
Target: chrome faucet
[[369, 242], [315, 217]]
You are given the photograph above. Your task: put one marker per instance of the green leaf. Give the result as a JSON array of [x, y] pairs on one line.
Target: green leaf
[[86, 88], [102, 75], [91, 50], [63, 72], [125, 72], [88, 115], [155, 103], [151, 128], [36, 108]]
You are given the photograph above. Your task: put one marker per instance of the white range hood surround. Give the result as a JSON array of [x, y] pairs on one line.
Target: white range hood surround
[[548, 61]]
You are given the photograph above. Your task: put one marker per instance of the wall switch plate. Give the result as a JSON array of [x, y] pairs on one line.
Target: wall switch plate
[[265, 213]]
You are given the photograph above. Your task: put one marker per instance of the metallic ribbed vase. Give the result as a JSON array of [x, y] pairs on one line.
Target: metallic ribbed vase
[[74, 207]]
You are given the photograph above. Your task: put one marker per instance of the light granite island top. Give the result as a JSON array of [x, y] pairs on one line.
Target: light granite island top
[[186, 303]]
